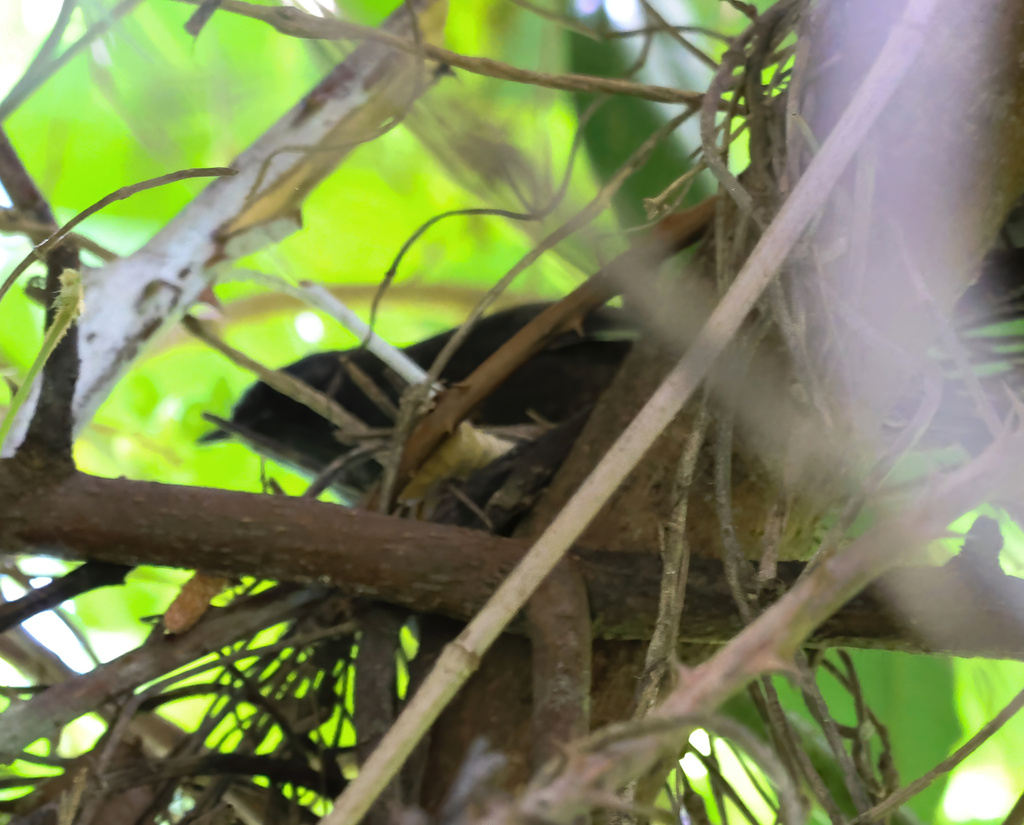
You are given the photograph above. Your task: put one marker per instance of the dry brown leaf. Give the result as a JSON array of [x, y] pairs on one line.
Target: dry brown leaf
[[192, 602], [468, 450]]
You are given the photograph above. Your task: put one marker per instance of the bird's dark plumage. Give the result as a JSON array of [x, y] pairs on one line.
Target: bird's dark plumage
[[560, 381]]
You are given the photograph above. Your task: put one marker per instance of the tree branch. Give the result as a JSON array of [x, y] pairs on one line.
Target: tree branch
[[439, 569], [297, 23]]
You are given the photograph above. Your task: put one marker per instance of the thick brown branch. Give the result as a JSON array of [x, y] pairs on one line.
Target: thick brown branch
[[560, 633], [440, 569]]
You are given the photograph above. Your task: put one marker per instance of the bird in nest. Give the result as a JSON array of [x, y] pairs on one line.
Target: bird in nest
[[567, 377]]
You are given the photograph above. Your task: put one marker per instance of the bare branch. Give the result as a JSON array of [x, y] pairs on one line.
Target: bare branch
[[294, 22]]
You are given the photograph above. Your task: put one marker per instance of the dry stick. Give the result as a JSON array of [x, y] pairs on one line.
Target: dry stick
[[461, 657], [13, 222], [300, 24], [119, 195], [563, 20], [286, 384], [675, 568], [675, 559], [946, 765]]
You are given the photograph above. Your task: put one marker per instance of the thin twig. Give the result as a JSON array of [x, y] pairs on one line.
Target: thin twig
[[14, 223], [819, 711], [531, 214], [296, 23], [350, 427], [795, 758], [328, 474], [661, 25], [946, 765], [318, 296], [675, 559], [118, 195], [400, 362], [563, 20], [722, 787], [647, 30]]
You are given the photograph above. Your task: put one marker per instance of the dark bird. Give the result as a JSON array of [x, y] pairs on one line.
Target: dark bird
[[557, 383]]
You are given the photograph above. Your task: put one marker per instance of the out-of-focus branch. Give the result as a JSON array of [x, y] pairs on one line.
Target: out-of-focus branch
[[297, 23], [766, 645], [43, 67]]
